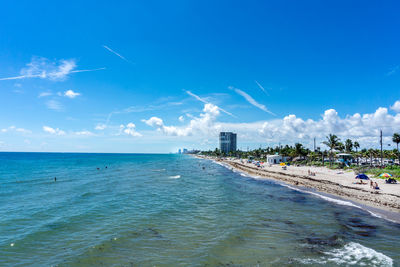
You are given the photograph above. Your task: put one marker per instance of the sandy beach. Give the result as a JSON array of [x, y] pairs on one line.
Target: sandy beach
[[336, 182]]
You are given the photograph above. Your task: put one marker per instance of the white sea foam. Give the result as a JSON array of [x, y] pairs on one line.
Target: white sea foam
[[175, 177], [352, 254]]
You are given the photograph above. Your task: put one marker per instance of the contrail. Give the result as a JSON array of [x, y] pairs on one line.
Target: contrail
[[45, 75], [262, 88], [205, 102], [74, 71], [18, 77], [117, 54], [251, 100]]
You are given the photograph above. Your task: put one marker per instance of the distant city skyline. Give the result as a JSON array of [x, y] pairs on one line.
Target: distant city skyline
[[155, 77]]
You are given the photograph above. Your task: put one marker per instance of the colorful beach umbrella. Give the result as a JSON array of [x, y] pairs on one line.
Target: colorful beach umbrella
[[362, 176], [386, 175]]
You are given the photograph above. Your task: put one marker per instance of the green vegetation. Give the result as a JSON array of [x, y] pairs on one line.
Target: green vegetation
[[393, 170], [365, 160]]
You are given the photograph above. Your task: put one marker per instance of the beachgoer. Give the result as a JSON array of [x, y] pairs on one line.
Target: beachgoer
[[309, 172], [55, 179], [371, 184], [376, 186]]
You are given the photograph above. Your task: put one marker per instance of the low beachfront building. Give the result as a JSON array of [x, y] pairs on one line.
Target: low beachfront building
[[345, 158], [275, 159]]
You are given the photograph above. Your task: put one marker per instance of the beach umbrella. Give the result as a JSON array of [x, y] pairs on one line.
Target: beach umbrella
[[362, 176], [386, 175], [282, 164]]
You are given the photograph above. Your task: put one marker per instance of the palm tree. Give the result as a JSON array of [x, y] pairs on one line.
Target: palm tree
[[332, 142], [396, 139], [340, 147], [348, 145], [356, 146], [298, 149]]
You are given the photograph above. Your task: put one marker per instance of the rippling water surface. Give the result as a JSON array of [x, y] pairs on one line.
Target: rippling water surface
[[173, 210]]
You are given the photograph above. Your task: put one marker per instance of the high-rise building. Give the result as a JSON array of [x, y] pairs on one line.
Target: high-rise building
[[227, 142]]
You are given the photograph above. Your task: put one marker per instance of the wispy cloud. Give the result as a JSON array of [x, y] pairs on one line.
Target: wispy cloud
[[251, 100], [44, 94], [393, 70], [262, 88], [206, 102], [13, 128], [54, 105], [84, 133], [117, 54], [138, 109], [42, 68]]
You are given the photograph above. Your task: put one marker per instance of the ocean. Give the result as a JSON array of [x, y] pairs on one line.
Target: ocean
[[174, 210]]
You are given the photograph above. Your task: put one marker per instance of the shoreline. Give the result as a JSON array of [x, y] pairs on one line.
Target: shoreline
[[384, 202]]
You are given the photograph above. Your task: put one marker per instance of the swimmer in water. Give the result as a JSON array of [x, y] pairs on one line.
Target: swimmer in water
[[55, 179]]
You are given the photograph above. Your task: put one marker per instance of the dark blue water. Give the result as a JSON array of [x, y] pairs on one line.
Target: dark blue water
[[172, 210]]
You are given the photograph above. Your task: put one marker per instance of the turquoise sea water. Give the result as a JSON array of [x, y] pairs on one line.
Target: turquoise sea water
[[173, 210]]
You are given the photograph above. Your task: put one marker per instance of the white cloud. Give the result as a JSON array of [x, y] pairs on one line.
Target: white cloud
[[15, 129], [206, 102], [42, 68], [396, 106], [84, 133], [50, 130], [54, 105], [100, 126], [198, 125], [71, 94], [251, 100], [181, 118], [364, 128], [129, 129]]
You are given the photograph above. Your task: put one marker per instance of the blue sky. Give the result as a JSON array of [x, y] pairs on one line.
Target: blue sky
[[125, 76]]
